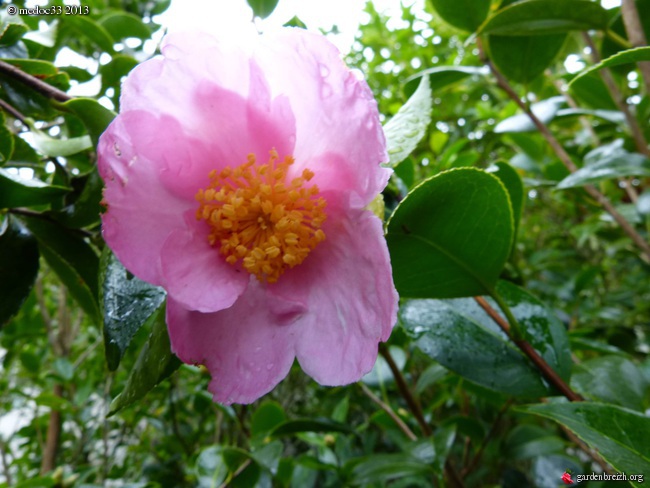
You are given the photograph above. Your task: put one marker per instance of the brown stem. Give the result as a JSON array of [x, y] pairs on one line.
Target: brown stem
[[416, 410], [636, 35], [525, 347], [31, 81], [566, 160], [472, 465], [12, 111], [404, 389], [53, 436], [386, 408], [619, 99]]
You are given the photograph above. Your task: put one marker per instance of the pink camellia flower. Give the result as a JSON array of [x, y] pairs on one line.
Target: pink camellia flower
[[237, 177]]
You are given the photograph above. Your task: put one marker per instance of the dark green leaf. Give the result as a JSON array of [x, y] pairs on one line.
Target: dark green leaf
[[620, 435], [95, 116], [635, 55], [71, 258], [467, 15], [381, 468], [530, 441], [442, 76], [527, 57], [268, 416], [462, 337], [409, 124], [600, 379], [126, 304], [18, 266], [545, 111], [155, 363], [515, 187], [18, 192], [451, 236], [90, 29], [84, 205], [536, 17], [262, 8]]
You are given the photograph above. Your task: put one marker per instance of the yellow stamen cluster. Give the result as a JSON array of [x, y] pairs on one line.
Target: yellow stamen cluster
[[259, 220]]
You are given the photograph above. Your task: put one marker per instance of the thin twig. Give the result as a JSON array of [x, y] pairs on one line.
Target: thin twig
[[637, 134], [566, 160], [40, 86], [472, 465], [525, 347], [636, 35], [12, 111], [386, 408], [5, 463], [416, 410], [404, 389]]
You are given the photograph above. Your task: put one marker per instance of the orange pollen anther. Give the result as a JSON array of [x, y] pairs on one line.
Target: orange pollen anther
[[261, 220]]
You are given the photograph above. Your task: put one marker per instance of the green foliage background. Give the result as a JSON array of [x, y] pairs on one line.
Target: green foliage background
[[515, 181]]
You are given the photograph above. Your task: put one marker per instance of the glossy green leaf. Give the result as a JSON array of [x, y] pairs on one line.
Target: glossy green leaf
[[71, 258], [18, 192], [155, 363], [34, 67], [635, 55], [91, 30], [268, 416], [524, 59], [545, 111], [600, 379], [442, 76], [514, 185], [463, 338], [620, 435], [122, 25], [18, 266], [467, 15], [291, 427], [126, 304], [530, 441], [382, 468], [537, 17], [607, 162], [113, 72], [409, 125], [95, 116], [451, 236], [262, 8]]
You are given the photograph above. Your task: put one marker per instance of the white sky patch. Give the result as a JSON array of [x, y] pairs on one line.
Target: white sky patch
[[229, 17]]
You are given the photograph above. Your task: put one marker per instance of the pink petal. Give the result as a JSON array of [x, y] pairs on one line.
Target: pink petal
[[338, 129], [247, 348], [346, 286], [141, 213], [196, 275]]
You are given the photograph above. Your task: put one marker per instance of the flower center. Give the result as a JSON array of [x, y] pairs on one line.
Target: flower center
[[256, 218]]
